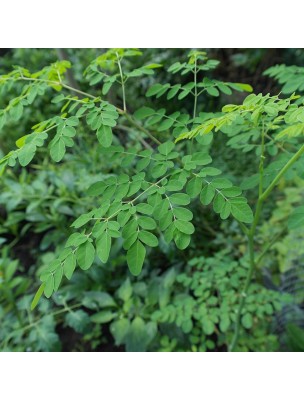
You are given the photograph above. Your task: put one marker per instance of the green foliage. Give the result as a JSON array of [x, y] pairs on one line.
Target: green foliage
[[291, 77], [257, 111], [295, 337], [107, 187], [197, 62], [206, 299]]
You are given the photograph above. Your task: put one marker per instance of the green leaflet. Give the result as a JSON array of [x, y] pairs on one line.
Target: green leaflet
[[208, 326], [103, 317], [85, 255], [181, 240], [247, 321], [105, 136], [225, 322], [26, 154], [28, 145], [212, 91], [182, 213], [181, 199], [218, 203], [194, 186], [143, 113], [225, 210], [241, 211], [82, 220], [58, 277], [153, 90], [173, 91], [166, 148], [135, 257], [221, 183], [37, 296], [119, 330], [184, 226], [49, 286], [97, 299], [159, 170], [69, 265], [125, 291], [103, 247], [76, 239], [232, 191], [207, 195], [148, 238], [16, 112], [147, 223], [57, 150]]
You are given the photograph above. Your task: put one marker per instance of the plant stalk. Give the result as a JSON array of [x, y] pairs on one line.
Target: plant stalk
[[252, 266], [293, 159], [251, 234], [141, 128], [122, 83], [195, 89], [84, 94], [243, 294]]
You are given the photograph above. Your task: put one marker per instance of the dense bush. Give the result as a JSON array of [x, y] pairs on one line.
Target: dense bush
[[158, 204]]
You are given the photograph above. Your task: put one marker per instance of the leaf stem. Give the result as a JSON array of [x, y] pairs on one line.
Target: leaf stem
[[268, 246], [251, 234], [120, 111], [243, 294], [122, 83], [140, 127], [72, 89], [195, 89], [293, 159]]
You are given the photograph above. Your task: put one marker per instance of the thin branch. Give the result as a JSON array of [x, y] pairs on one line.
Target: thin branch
[[140, 127], [122, 83], [120, 111], [63, 55], [293, 159], [268, 246]]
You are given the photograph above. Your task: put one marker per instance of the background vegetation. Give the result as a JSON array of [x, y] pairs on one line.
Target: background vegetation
[[182, 300]]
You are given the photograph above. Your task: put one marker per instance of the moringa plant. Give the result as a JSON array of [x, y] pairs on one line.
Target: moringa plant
[[153, 164]]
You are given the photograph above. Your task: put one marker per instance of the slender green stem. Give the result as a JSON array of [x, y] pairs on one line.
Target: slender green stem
[[243, 294], [277, 144], [268, 246], [23, 78], [195, 89], [262, 158], [122, 83], [195, 101], [142, 141], [251, 235], [293, 159], [122, 112], [141, 128]]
